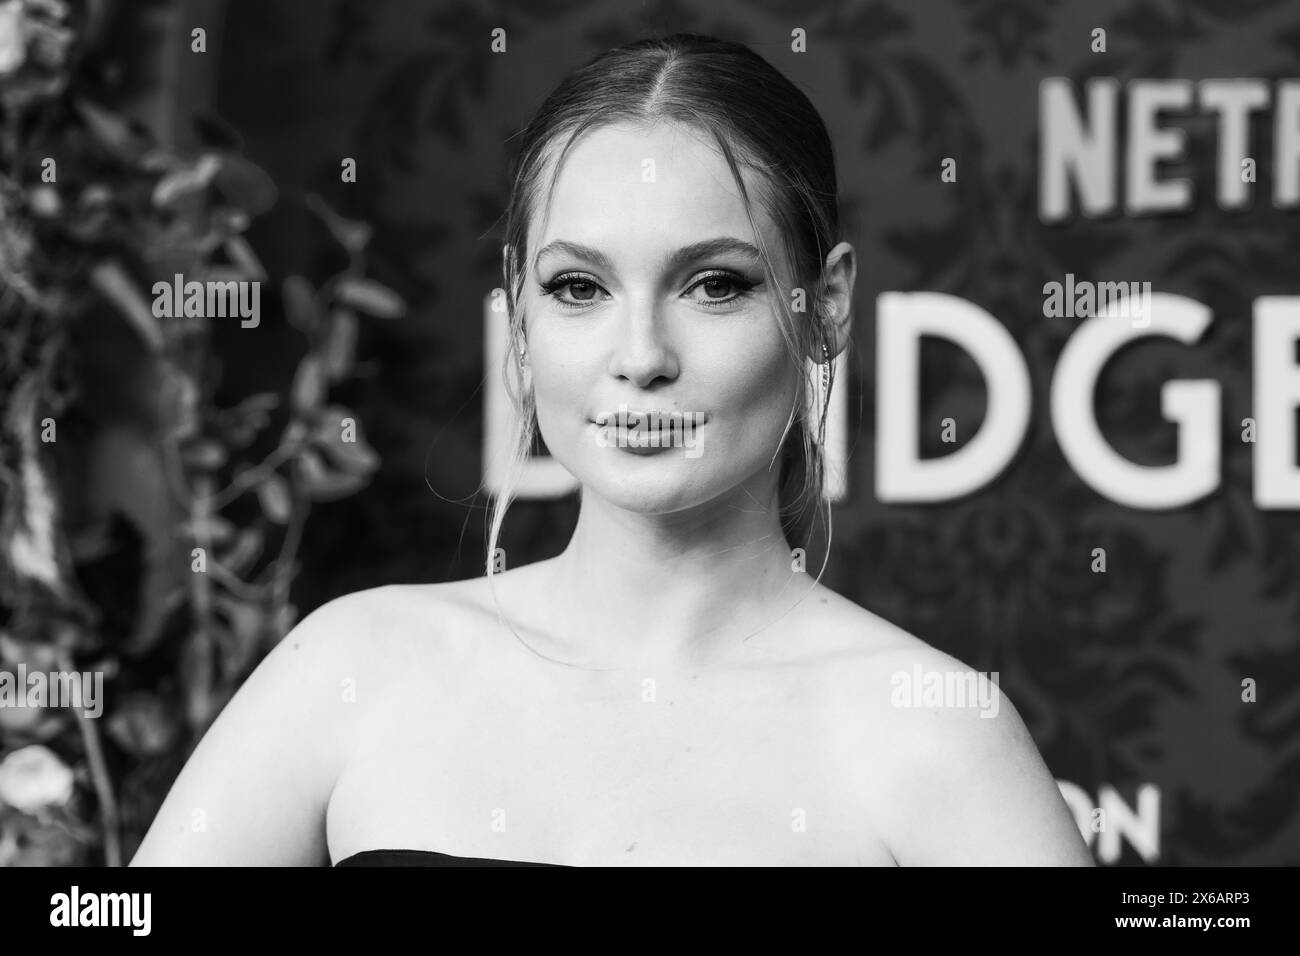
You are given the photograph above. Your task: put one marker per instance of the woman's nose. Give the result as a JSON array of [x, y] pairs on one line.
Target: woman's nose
[[644, 352]]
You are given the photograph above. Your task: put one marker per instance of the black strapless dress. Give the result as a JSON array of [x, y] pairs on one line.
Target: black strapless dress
[[426, 858]]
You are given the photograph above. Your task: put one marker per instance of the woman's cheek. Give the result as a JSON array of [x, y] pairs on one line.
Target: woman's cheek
[[560, 395], [760, 380]]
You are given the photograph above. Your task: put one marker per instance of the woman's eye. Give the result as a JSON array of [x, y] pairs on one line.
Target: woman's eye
[[571, 292], [717, 288], [722, 290]]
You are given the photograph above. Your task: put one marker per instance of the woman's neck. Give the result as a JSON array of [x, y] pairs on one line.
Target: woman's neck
[[671, 591]]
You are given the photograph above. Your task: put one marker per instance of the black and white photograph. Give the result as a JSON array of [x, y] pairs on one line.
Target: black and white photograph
[[665, 433]]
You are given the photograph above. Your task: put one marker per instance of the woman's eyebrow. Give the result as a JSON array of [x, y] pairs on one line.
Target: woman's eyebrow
[[697, 250]]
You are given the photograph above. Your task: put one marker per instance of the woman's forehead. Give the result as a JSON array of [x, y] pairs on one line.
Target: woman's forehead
[[648, 190]]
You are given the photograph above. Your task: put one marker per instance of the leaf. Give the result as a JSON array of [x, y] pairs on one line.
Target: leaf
[[339, 349], [259, 404], [250, 416], [273, 493], [187, 179], [300, 303], [113, 283], [122, 138], [226, 221], [246, 621], [241, 555], [157, 160], [31, 550], [179, 402], [352, 235], [322, 484], [205, 455], [242, 255], [356, 457], [13, 46], [308, 385], [142, 726], [353, 456], [245, 184], [370, 297]]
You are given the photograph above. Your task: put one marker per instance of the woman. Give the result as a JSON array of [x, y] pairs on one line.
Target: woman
[[672, 688]]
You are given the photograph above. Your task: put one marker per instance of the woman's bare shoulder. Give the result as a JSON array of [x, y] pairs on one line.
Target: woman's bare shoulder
[[893, 679], [853, 639], [403, 629], [968, 782], [255, 788], [388, 618]]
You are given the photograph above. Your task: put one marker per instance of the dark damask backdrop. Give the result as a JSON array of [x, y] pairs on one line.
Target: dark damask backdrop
[[1131, 680], [1127, 679]]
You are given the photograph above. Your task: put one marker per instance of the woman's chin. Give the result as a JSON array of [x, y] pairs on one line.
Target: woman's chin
[[662, 488]]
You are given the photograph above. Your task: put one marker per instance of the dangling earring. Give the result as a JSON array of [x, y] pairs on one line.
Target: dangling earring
[[831, 310], [825, 383]]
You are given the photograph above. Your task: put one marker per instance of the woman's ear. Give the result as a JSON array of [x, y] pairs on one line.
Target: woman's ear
[[836, 302]]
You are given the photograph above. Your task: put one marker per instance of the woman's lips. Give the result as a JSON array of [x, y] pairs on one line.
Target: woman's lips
[[635, 444], [636, 419], [648, 432]]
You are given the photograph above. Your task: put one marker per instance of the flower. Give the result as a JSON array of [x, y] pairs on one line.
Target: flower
[[33, 778]]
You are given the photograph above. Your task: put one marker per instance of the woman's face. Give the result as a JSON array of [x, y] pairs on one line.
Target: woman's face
[[627, 312]]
